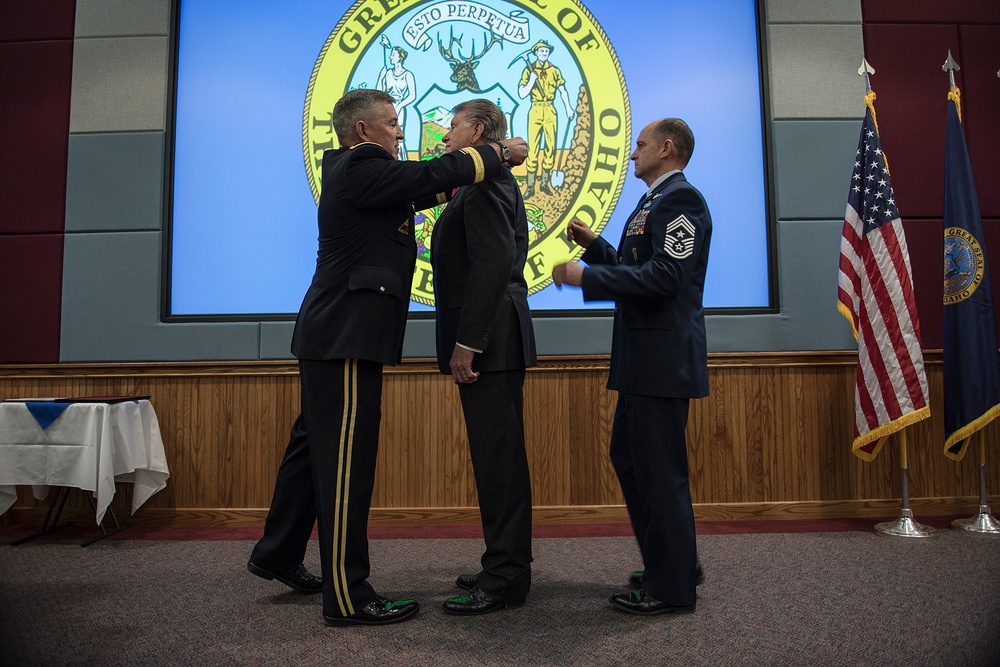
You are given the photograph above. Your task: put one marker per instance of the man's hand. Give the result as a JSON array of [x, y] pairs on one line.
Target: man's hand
[[461, 366], [518, 148], [580, 233], [569, 273]]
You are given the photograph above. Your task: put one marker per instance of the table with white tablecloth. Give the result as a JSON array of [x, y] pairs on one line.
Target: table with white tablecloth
[[84, 443]]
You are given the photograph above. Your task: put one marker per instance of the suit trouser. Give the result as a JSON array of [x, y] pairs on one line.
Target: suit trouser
[[649, 453], [333, 453], [493, 406], [292, 514]]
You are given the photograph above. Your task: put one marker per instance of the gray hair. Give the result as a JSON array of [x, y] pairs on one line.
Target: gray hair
[[361, 104], [485, 112], [678, 132]]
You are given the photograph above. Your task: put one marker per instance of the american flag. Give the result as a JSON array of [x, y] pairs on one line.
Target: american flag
[[876, 296]]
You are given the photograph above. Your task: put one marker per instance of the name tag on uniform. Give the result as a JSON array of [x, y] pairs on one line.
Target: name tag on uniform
[[637, 225]]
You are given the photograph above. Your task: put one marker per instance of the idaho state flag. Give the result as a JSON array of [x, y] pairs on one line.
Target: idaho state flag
[[971, 362]]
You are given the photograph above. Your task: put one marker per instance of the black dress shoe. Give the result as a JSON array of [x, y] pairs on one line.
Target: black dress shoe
[[379, 611], [467, 581], [636, 577], [477, 602], [297, 578], [641, 603]]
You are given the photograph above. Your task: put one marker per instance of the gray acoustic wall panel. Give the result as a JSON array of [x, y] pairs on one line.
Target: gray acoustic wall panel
[[808, 256], [119, 85], [813, 162], [573, 335], [110, 310], [420, 339], [813, 70], [115, 182], [103, 18], [554, 336], [809, 253], [827, 11], [276, 340]]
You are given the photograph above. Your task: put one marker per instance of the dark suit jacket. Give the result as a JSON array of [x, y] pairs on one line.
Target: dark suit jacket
[[357, 303], [478, 251], [657, 278]]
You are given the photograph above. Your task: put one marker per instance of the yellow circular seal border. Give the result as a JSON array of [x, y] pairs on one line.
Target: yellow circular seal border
[[605, 146], [977, 250]]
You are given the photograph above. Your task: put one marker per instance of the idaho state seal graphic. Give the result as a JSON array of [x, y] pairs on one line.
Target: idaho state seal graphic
[[547, 65], [963, 265]]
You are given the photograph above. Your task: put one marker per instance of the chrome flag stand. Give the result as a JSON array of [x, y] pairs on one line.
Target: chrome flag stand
[[904, 526], [983, 522]]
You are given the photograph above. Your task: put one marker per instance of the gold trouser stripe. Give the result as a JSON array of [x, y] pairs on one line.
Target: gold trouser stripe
[[477, 159], [339, 574]]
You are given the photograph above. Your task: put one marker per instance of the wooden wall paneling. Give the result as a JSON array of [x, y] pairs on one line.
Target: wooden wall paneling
[[781, 398], [423, 456], [199, 425], [586, 433], [716, 433], [549, 406], [760, 448], [772, 439], [251, 421], [823, 435], [837, 466]]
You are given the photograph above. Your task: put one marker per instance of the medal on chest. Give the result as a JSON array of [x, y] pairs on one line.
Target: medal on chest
[[637, 225]]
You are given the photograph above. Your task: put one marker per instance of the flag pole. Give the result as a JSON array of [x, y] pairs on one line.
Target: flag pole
[[984, 521], [904, 526]]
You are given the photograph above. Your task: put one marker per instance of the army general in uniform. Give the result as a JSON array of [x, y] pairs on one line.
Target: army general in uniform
[[351, 323]]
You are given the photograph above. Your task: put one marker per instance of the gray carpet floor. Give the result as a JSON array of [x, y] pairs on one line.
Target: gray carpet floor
[[848, 598]]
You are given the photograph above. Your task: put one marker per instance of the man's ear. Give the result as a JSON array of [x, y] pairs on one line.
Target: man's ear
[[667, 149], [361, 129], [477, 135]]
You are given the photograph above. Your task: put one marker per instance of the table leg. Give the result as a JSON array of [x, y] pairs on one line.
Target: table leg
[[62, 493], [104, 532]]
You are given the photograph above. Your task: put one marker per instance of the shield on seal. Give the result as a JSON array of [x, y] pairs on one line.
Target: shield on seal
[[435, 113]]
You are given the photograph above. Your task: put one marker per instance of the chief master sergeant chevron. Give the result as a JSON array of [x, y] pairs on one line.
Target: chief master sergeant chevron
[[659, 359], [350, 324]]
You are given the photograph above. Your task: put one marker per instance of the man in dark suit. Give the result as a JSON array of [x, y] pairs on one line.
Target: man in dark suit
[[350, 324], [485, 340], [659, 359]]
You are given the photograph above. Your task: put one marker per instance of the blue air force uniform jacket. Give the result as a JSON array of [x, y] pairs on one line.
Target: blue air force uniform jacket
[[357, 303], [657, 278]]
